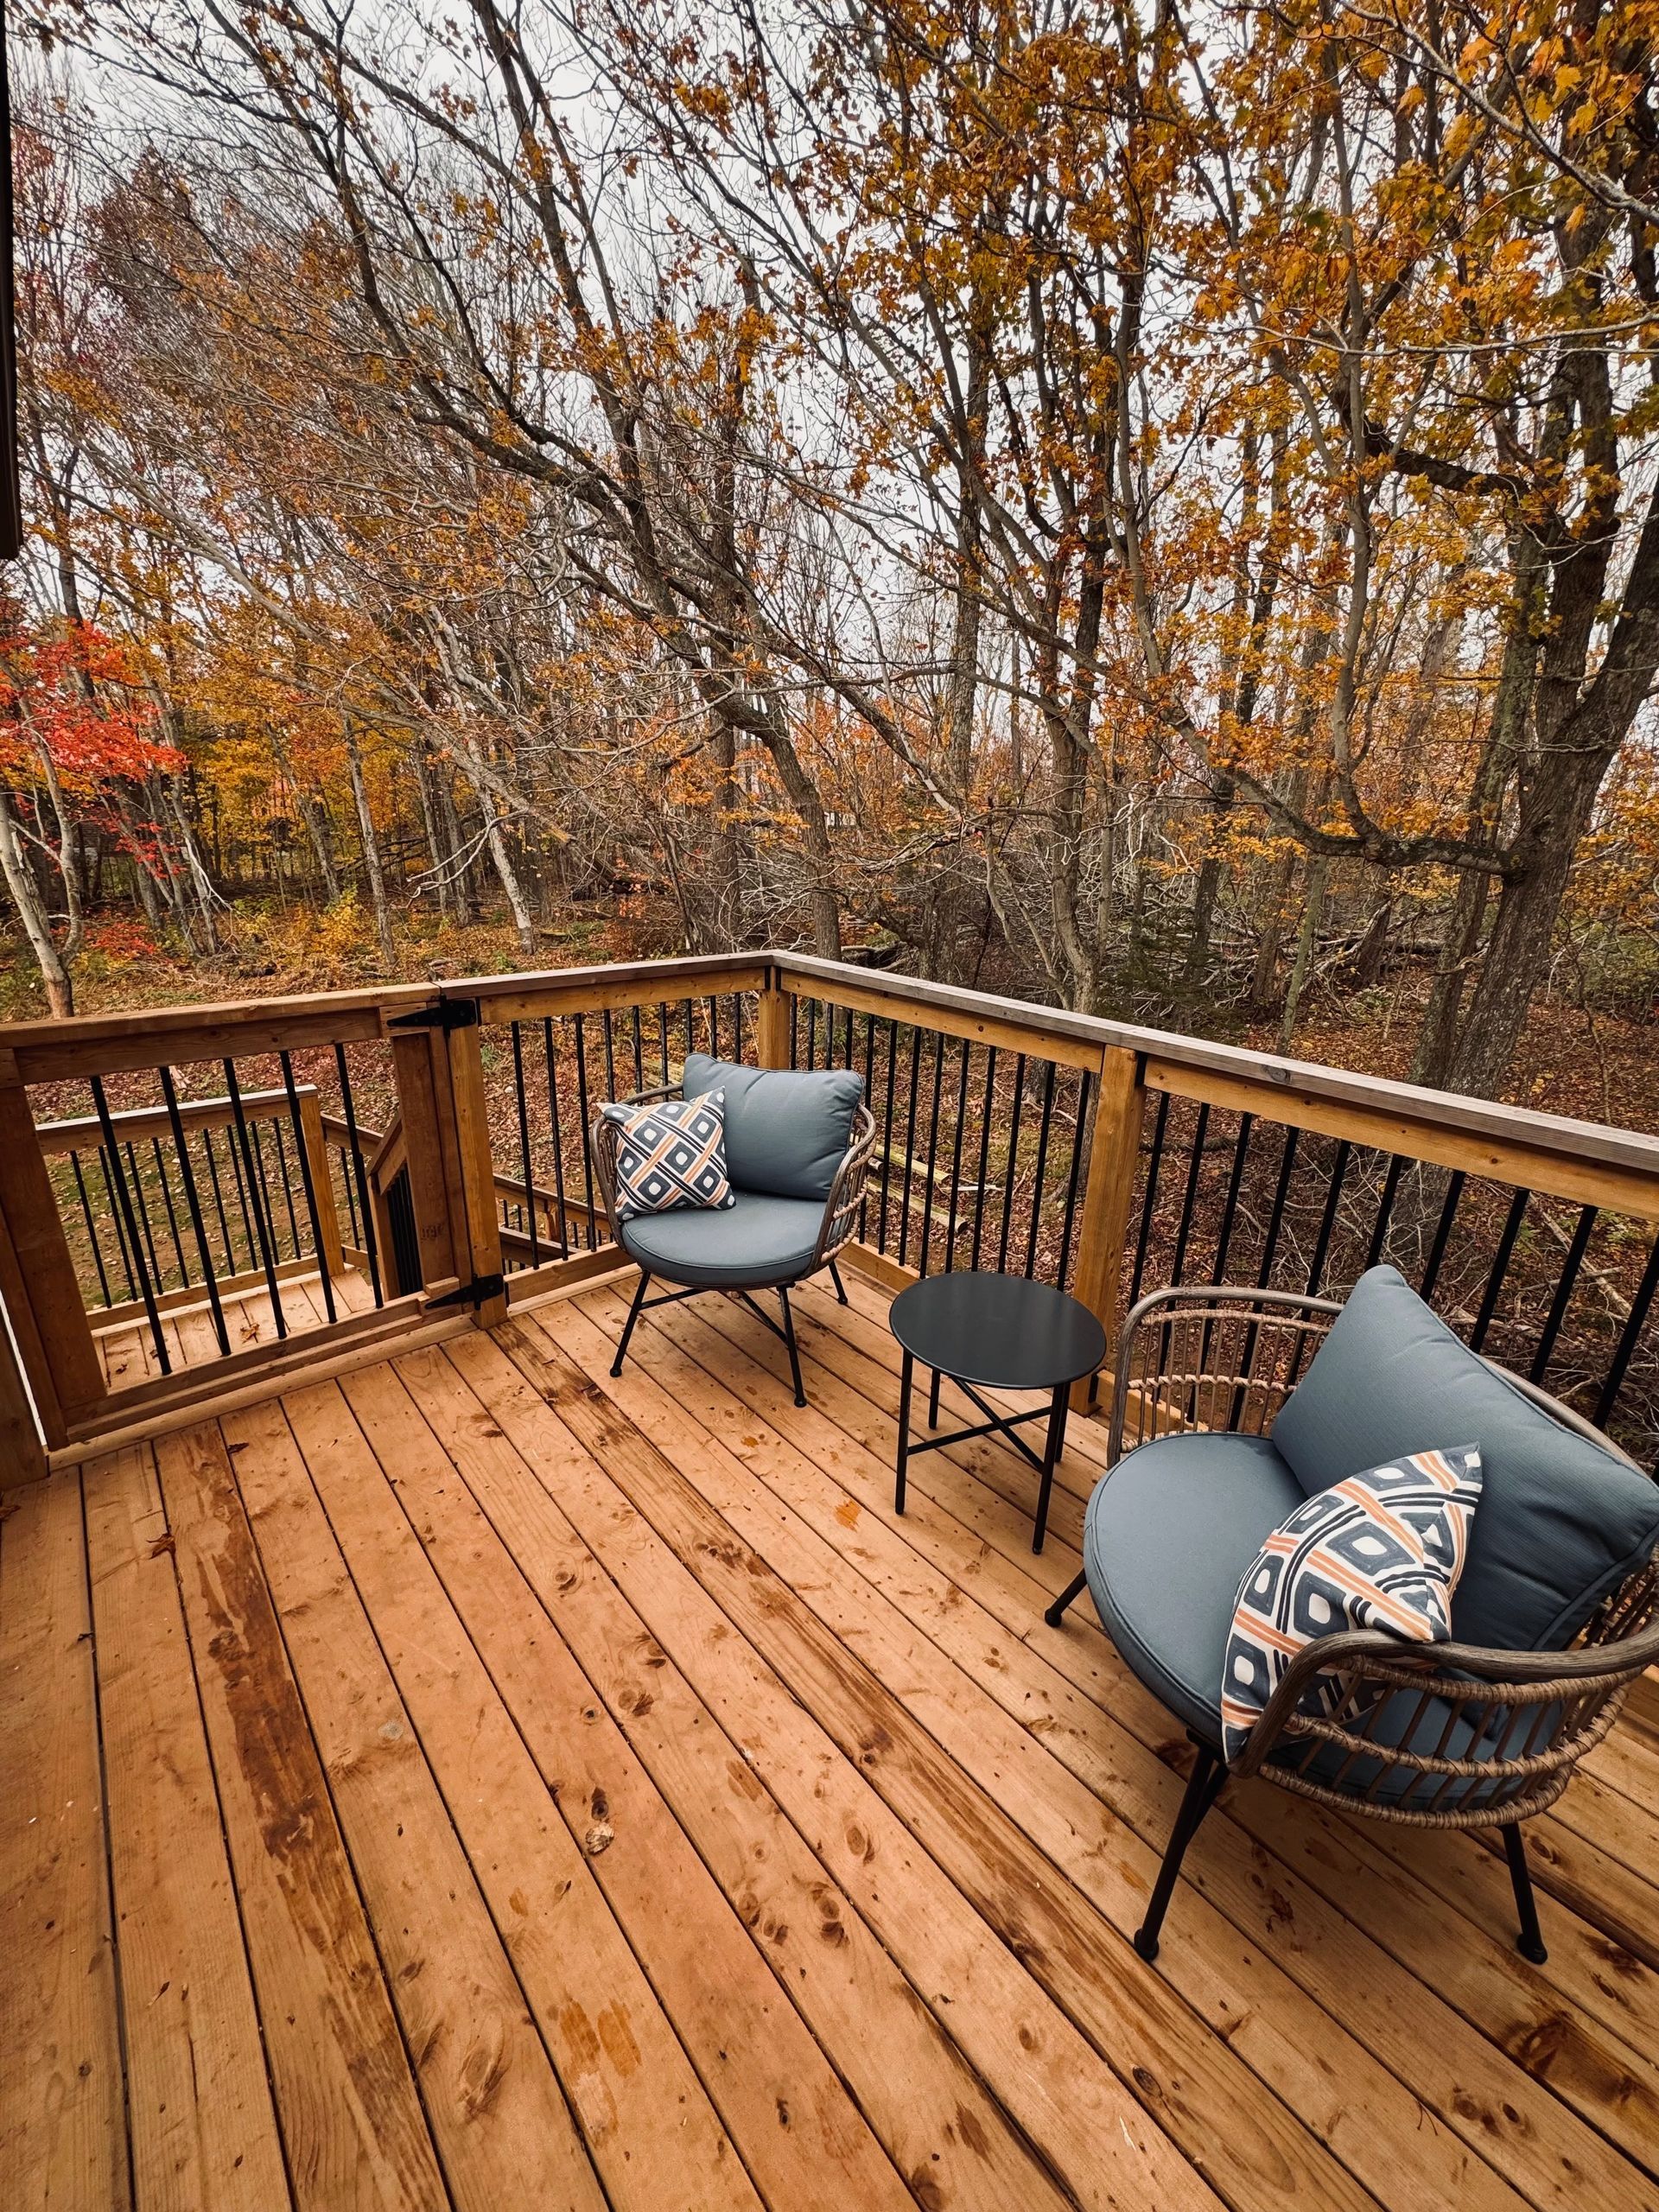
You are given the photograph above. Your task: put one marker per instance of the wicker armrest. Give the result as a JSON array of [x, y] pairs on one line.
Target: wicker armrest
[[847, 1189]]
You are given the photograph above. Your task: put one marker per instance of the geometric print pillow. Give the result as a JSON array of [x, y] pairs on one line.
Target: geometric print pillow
[[1382, 1550], [670, 1154]]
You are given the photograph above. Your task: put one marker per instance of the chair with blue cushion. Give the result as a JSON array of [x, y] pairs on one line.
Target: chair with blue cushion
[[797, 1145], [1553, 1618]]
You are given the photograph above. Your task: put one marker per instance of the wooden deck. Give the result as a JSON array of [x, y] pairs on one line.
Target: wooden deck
[[476, 1783], [126, 1348]]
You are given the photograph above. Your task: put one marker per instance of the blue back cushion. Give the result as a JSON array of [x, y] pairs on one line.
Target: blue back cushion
[[1562, 1523], [787, 1128]]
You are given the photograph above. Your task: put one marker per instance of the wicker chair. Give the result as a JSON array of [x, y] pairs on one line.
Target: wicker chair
[[1447, 1736], [766, 1242]]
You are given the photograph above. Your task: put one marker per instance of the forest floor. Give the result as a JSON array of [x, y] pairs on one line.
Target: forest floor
[[1575, 1060]]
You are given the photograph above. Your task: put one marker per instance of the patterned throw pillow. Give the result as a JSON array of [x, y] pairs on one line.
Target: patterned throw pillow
[[671, 1152], [1382, 1550]]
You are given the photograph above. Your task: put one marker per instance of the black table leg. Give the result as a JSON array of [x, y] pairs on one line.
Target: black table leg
[[1052, 1450], [904, 1430], [933, 1400]]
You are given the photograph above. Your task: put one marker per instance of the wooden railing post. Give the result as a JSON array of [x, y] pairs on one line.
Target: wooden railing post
[[772, 1024], [481, 1223], [37, 1275], [428, 1121], [1108, 1193]]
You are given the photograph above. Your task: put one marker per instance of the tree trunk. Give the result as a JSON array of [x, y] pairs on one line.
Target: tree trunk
[[524, 921], [14, 864], [1306, 938], [370, 852]]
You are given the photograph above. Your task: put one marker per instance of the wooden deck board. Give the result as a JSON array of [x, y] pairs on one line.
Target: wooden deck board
[[516, 1785]]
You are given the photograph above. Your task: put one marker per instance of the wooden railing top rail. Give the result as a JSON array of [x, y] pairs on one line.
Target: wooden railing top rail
[[47, 1051], [1164, 1051], [85, 1132]]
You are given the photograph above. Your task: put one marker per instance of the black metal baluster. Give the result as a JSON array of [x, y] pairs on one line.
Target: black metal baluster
[[610, 1052], [1275, 1219], [115, 1216], [287, 1186], [955, 1200], [1490, 1297], [112, 1148], [143, 1216], [1564, 1289], [1327, 1225], [1633, 1323], [847, 1051], [208, 1156], [351, 1197], [1153, 1163], [172, 1217], [587, 1143], [1195, 1167], [869, 1100], [887, 1132], [360, 1175], [794, 1050], [713, 1005], [553, 1116], [811, 1032], [307, 1185], [246, 1196], [1384, 1212], [192, 1201], [1041, 1170], [907, 1182], [1074, 1176], [1012, 1166], [988, 1106], [737, 1026], [523, 1124], [661, 1024], [639, 1051], [932, 1149], [256, 1192], [1442, 1235], [91, 1226], [266, 1209], [1229, 1207]]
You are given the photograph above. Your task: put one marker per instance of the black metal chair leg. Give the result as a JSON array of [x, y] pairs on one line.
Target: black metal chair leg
[[1202, 1791], [1530, 1941], [1073, 1589], [834, 1277], [627, 1326], [788, 1338], [933, 1400]]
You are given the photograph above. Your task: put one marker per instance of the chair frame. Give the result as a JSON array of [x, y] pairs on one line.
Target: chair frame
[[840, 1206], [1224, 1359]]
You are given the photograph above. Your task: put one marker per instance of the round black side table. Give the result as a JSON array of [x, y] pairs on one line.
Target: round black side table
[[1003, 1333]]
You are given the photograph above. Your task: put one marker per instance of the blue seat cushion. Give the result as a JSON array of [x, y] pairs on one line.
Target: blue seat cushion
[[787, 1129], [1561, 1522], [754, 1243], [1168, 1538]]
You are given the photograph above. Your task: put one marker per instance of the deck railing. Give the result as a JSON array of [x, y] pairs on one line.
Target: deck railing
[[379, 1166]]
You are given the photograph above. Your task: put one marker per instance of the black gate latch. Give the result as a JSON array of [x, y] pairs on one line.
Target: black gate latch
[[448, 1015]]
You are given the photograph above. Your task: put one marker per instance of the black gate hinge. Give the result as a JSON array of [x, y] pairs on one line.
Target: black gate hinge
[[448, 1015], [478, 1292]]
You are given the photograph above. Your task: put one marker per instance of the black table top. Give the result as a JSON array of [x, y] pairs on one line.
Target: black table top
[[997, 1330]]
